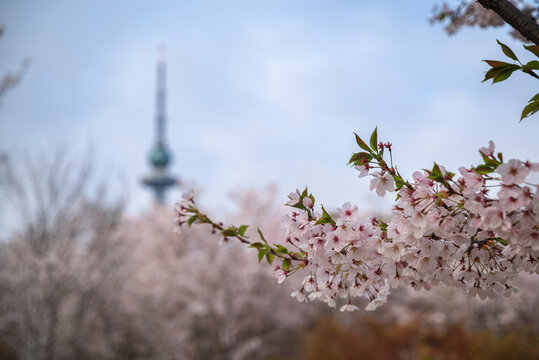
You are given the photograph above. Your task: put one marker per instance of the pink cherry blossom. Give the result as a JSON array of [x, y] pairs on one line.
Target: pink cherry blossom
[[382, 183], [474, 181], [349, 307], [532, 166], [513, 172], [308, 203], [363, 170], [280, 274], [490, 150], [495, 218], [512, 198], [347, 211], [294, 198]]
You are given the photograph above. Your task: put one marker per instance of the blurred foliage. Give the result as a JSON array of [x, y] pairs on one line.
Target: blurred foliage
[[6, 350], [371, 338]]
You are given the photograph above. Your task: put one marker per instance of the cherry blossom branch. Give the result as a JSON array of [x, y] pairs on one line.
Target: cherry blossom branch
[[188, 213], [442, 230]]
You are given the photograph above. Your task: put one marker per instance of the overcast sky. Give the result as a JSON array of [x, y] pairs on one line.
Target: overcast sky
[[258, 91]]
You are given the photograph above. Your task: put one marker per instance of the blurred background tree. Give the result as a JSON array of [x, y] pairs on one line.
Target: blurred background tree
[[10, 80], [80, 280], [470, 13], [61, 268]]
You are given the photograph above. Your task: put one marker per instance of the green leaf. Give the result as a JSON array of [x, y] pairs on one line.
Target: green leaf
[[361, 143], [436, 170], [286, 265], [436, 174], [507, 51], [242, 229], [261, 254], [532, 48], [269, 257], [494, 72], [532, 65], [191, 220], [399, 183], [491, 73], [496, 63], [530, 109], [325, 218], [493, 163], [360, 158], [304, 193], [483, 169], [299, 204], [497, 71], [281, 249], [231, 231], [437, 178], [374, 140], [257, 245], [504, 73], [262, 236], [501, 241]]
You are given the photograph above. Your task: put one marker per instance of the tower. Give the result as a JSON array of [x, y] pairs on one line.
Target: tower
[[159, 180]]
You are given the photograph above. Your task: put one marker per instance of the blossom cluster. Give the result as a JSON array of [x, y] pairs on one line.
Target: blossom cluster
[[476, 231]]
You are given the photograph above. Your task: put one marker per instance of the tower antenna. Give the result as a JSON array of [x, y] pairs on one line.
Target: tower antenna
[[159, 180]]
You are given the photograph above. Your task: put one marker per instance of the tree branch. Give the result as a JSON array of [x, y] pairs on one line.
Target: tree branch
[[524, 24]]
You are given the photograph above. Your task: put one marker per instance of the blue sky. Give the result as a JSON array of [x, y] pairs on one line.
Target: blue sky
[[258, 91]]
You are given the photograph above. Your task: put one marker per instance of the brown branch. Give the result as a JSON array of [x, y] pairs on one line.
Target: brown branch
[[521, 22]]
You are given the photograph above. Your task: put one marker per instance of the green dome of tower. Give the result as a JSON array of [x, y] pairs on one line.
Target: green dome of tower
[[159, 157]]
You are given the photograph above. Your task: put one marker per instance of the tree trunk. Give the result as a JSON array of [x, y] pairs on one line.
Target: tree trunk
[[524, 24]]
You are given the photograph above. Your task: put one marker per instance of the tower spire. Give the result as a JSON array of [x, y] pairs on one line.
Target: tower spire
[[159, 180], [161, 93]]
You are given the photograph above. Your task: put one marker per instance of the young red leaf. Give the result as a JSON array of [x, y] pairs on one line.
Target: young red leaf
[[495, 63]]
